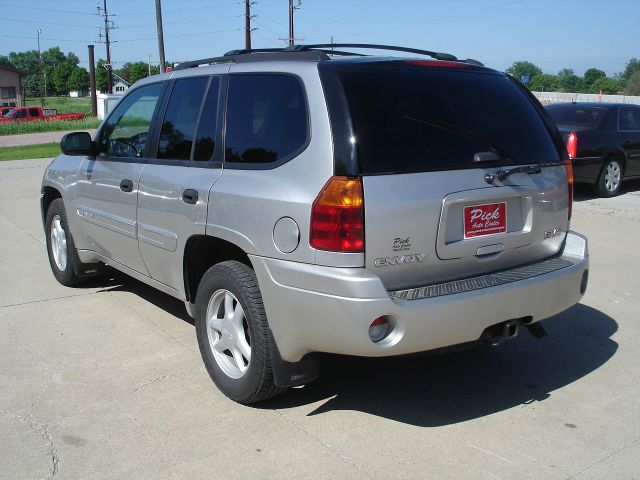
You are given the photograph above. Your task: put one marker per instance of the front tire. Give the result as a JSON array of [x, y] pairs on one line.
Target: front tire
[[233, 333], [63, 257], [610, 179]]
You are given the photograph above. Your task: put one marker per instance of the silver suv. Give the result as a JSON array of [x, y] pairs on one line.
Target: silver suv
[[310, 200]]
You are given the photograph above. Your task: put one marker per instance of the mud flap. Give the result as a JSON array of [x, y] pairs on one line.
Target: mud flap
[[287, 374]]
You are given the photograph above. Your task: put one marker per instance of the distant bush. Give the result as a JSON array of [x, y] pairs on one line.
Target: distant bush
[[18, 128]]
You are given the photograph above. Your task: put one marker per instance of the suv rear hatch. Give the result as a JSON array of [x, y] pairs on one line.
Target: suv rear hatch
[[431, 213]]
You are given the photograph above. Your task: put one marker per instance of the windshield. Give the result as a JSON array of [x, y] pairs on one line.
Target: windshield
[[576, 115], [411, 119], [8, 114]]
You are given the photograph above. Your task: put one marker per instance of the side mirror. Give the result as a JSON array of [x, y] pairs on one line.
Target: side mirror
[[77, 143]]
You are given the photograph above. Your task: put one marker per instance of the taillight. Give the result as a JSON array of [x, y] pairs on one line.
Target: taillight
[[572, 145], [569, 168], [337, 216]]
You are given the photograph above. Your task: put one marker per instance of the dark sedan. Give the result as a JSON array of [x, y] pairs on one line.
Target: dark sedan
[[603, 140]]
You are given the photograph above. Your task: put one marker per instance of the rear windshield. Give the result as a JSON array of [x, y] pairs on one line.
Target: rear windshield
[[579, 116], [416, 119]]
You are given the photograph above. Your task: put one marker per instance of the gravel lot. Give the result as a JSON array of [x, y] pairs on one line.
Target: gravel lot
[[106, 381]]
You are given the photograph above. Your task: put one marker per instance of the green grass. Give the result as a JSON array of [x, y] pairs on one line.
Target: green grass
[[62, 104], [46, 150], [19, 128]]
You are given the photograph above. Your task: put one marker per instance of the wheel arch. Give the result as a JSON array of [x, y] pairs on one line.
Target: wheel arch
[[47, 195], [202, 252]]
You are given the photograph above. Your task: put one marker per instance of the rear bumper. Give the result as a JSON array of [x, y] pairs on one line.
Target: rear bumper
[[323, 309]]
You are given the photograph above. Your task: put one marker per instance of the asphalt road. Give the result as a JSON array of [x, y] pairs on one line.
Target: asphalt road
[[105, 381]]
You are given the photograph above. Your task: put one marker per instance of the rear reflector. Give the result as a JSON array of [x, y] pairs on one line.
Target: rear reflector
[[337, 216], [569, 168], [379, 328], [572, 145], [437, 63]]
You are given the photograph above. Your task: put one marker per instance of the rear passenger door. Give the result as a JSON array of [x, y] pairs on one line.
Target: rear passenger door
[[629, 128], [175, 182]]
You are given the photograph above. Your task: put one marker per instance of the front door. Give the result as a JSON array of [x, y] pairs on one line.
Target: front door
[[175, 184], [629, 127], [107, 188]]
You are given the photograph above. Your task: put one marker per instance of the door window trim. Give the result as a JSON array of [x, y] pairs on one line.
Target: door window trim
[[286, 158], [147, 150], [216, 160]]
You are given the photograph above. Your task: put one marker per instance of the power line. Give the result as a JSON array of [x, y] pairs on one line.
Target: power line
[[129, 14], [28, 7]]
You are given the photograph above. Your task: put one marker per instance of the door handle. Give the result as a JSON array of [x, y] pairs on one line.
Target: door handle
[[126, 185], [190, 196]]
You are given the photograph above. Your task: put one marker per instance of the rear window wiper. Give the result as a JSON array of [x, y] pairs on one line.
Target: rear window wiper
[[501, 152], [502, 175]]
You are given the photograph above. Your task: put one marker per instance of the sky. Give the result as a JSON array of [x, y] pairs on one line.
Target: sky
[[553, 34]]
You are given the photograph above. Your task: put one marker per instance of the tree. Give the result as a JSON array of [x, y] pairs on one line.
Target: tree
[[523, 69], [633, 66], [592, 75], [60, 78], [543, 82], [4, 60], [137, 71], [28, 63], [608, 86], [569, 81], [633, 84], [101, 76], [79, 79]]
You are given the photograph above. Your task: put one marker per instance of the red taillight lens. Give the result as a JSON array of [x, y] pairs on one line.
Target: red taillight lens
[[572, 145], [337, 216], [569, 168]]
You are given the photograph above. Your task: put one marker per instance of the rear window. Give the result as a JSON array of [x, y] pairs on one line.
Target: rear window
[[578, 116], [414, 119]]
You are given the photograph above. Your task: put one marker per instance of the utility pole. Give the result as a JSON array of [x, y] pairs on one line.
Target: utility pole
[[149, 57], [247, 24], [107, 27], [92, 82], [40, 60], [292, 8], [160, 35]]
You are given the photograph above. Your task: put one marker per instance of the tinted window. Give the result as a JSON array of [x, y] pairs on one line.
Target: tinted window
[[124, 133], [207, 126], [579, 116], [266, 118], [409, 119], [179, 124], [21, 114], [629, 119], [34, 112]]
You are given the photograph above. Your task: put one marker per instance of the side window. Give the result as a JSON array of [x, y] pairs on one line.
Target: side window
[[179, 124], [34, 112], [21, 114], [124, 133], [266, 118], [207, 127], [629, 119]]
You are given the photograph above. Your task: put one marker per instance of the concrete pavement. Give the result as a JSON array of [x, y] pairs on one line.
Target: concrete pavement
[[105, 381]]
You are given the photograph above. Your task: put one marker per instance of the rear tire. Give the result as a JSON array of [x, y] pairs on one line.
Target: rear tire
[[610, 179], [233, 333]]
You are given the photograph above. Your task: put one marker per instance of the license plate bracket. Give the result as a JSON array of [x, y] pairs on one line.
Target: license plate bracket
[[485, 219]]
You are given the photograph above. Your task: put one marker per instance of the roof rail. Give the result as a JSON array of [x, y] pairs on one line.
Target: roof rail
[[436, 55], [314, 52]]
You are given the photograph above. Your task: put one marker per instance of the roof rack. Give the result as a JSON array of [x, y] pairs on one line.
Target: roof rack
[[313, 52]]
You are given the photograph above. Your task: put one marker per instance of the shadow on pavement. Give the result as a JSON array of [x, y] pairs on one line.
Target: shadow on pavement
[[439, 389], [113, 280], [584, 191], [444, 389]]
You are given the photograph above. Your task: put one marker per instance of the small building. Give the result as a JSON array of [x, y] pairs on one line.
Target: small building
[[79, 93], [121, 86], [10, 87]]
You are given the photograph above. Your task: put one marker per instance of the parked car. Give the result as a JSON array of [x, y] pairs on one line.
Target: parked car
[[310, 200], [29, 114], [603, 141]]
